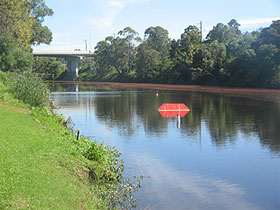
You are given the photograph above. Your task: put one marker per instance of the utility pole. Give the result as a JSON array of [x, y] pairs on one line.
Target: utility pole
[[86, 44]]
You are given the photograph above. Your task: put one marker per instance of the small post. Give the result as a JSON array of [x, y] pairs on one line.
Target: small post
[[178, 121], [78, 134]]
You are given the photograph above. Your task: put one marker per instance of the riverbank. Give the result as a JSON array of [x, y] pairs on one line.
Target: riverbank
[[39, 168], [44, 166], [257, 94]]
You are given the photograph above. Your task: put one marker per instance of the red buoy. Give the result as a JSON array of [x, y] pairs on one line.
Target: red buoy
[[173, 110]]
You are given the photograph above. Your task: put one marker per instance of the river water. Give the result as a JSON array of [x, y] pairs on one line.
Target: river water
[[225, 154]]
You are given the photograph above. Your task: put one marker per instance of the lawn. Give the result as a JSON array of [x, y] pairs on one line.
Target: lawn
[[38, 169]]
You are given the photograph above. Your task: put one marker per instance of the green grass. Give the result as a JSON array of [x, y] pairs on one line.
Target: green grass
[[38, 169], [43, 166]]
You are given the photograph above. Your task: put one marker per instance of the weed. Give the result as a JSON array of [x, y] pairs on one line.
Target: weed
[[31, 89]]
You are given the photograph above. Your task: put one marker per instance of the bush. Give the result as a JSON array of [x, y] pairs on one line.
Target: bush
[[30, 89], [13, 58], [48, 68], [106, 175]]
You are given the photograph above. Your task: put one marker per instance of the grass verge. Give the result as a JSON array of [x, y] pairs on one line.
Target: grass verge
[[43, 166], [35, 171]]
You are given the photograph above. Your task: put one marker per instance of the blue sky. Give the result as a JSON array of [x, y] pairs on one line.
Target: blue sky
[[75, 21]]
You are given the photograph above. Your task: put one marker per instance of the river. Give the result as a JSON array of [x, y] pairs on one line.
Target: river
[[225, 154]]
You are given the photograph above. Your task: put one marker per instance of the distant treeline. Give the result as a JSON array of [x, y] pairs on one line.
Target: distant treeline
[[226, 57]]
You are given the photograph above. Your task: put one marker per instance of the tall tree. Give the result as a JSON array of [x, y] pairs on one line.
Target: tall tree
[[12, 57], [235, 25], [130, 38], [147, 62], [22, 20], [224, 33], [102, 56], [16, 21], [157, 38], [40, 34]]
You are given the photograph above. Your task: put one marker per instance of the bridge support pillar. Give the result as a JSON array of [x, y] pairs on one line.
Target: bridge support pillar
[[72, 65]]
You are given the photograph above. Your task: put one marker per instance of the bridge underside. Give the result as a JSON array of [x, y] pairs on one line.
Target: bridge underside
[[72, 67], [72, 58]]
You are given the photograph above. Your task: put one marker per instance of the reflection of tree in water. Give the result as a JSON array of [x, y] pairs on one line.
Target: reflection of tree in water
[[225, 117], [117, 110], [268, 125]]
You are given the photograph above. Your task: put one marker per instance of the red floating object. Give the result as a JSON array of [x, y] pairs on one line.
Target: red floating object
[[173, 110]]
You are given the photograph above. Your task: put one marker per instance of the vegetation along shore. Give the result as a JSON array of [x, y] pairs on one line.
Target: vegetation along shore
[[43, 165]]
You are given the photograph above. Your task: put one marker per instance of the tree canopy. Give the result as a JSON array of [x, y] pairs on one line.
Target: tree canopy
[[225, 57], [22, 20], [20, 27]]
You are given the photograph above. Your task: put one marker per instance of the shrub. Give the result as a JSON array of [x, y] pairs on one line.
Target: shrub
[[30, 89], [13, 58], [48, 68]]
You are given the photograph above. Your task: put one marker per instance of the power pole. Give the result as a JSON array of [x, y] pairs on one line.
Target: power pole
[[86, 44]]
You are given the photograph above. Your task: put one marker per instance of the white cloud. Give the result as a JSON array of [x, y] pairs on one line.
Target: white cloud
[[116, 4], [247, 24], [106, 21], [195, 191], [254, 22], [111, 9]]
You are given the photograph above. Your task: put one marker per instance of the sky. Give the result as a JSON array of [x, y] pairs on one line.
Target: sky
[[75, 21]]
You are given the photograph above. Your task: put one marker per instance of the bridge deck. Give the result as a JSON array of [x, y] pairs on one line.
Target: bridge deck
[[63, 53]]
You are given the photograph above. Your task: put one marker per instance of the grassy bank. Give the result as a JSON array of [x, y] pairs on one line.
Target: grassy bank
[[43, 166]]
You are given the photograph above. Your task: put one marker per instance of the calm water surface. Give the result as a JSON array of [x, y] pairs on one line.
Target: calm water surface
[[225, 155]]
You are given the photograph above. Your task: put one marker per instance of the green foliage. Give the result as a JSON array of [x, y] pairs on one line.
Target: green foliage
[[74, 171], [115, 57], [103, 165], [108, 180], [226, 57], [147, 61], [40, 33], [30, 89], [157, 38], [16, 21], [48, 68], [22, 21], [87, 69], [13, 58]]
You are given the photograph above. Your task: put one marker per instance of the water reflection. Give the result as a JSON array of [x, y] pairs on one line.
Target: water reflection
[[195, 191], [225, 117], [224, 156]]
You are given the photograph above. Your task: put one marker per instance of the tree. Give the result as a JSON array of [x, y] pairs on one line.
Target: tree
[[16, 21], [235, 25], [190, 38], [40, 34], [102, 56], [157, 38], [223, 33], [48, 68], [13, 58], [271, 34], [242, 70], [87, 69], [267, 47], [130, 39], [22, 20], [147, 61]]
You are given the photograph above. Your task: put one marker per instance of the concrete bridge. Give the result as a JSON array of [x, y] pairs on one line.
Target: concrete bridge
[[72, 58]]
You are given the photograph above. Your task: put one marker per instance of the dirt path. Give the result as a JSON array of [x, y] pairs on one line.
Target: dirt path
[[14, 108], [258, 94]]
